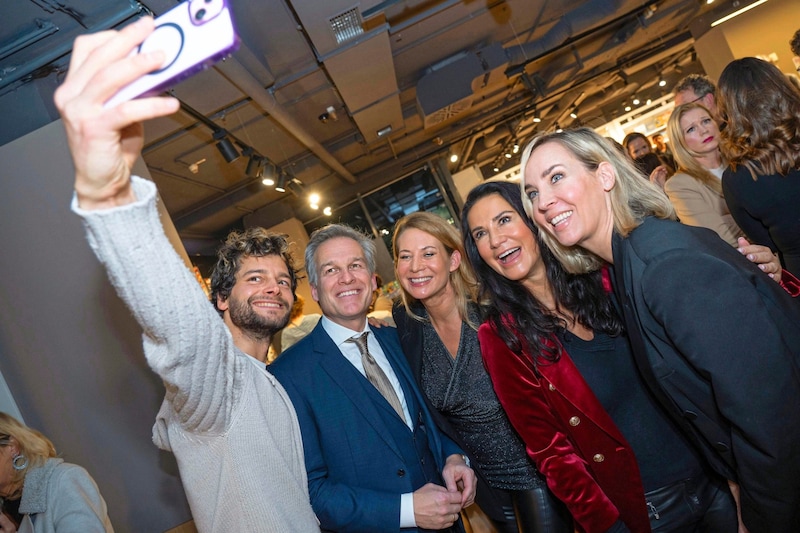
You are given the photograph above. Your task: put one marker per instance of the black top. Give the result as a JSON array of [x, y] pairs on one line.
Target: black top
[[768, 210], [461, 390], [607, 365]]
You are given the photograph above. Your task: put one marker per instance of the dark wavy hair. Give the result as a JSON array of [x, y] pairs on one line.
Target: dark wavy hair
[[252, 242], [763, 113], [582, 295]]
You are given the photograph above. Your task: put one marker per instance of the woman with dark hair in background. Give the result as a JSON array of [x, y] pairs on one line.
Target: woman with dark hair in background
[[762, 145], [41, 493], [437, 323], [563, 370], [717, 342]]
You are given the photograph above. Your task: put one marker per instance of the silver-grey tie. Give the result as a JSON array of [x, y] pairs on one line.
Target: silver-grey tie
[[375, 375]]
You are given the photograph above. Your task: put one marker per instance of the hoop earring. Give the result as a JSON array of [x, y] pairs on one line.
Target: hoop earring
[[19, 462]]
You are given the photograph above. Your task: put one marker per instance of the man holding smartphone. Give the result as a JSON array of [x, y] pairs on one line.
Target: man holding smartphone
[[230, 424]]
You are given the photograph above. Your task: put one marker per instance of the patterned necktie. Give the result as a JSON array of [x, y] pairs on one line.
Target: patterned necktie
[[375, 375]]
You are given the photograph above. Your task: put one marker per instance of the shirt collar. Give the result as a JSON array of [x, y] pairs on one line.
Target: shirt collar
[[340, 334]]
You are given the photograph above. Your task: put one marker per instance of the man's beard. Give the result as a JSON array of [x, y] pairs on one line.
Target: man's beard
[[248, 320]]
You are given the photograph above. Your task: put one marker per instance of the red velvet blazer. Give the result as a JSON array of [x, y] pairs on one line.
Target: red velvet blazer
[[575, 444]]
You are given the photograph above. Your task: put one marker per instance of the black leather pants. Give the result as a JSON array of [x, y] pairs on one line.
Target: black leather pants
[[536, 511], [696, 505]]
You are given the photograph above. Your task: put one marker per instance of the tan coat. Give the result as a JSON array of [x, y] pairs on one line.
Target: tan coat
[[698, 205]]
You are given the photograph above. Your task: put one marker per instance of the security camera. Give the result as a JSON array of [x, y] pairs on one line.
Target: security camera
[[324, 118]]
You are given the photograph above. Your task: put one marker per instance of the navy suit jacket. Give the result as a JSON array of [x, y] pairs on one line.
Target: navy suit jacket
[[719, 344], [356, 469]]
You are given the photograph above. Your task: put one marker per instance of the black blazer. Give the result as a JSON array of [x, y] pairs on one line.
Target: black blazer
[[491, 501], [718, 342]]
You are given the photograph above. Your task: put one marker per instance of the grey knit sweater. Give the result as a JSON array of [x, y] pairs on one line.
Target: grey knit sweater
[[229, 423]]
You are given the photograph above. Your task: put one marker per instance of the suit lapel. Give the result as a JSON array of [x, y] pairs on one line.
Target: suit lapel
[[354, 386]]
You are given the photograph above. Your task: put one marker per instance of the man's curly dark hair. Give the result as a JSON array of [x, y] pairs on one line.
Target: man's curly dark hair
[[794, 44]]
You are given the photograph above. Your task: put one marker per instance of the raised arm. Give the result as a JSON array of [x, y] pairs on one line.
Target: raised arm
[[186, 342]]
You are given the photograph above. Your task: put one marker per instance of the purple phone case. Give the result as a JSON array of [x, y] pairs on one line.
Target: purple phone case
[[193, 35]]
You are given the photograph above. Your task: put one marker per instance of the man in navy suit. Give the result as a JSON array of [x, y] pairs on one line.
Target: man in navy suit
[[371, 467]]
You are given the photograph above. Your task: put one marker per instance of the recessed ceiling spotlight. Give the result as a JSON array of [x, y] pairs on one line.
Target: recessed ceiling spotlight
[[327, 211], [453, 158]]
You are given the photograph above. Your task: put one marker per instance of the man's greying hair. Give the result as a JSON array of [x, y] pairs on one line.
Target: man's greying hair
[[332, 231], [699, 84], [252, 242]]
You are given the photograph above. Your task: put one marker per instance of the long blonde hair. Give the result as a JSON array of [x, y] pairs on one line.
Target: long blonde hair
[[462, 279], [633, 197], [32, 444], [684, 156]]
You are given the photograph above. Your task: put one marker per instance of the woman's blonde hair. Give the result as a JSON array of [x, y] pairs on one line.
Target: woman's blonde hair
[[462, 279], [32, 444], [633, 197], [684, 156]]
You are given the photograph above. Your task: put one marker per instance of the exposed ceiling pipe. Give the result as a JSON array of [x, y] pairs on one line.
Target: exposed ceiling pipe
[[241, 78], [577, 21]]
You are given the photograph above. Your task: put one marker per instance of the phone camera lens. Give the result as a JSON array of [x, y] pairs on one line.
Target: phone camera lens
[[200, 14]]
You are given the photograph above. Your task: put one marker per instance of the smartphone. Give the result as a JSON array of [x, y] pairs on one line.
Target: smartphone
[[193, 36]]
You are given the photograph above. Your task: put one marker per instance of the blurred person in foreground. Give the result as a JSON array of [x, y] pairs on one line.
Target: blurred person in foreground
[[41, 493]]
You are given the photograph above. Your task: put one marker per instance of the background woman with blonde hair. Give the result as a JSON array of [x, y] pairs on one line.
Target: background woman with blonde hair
[[708, 329], [696, 189], [437, 323], [41, 493]]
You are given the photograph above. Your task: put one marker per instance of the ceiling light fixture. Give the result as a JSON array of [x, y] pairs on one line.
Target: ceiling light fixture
[[636, 101], [515, 148], [225, 146], [453, 158], [281, 185], [254, 164], [662, 82], [737, 12], [558, 128], [327, 211], [268, 173], [574, 113]]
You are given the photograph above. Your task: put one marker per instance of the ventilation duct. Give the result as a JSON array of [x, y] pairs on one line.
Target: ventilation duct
[[448, 89]]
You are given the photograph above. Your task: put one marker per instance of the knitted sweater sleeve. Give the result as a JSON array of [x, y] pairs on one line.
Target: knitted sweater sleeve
[[185, 341]]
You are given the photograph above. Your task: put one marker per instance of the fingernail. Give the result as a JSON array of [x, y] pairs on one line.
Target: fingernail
[[762, 267], [750, 257]]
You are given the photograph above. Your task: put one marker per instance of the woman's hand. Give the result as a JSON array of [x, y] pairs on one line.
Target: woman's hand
[[763, 257], [659, 176]]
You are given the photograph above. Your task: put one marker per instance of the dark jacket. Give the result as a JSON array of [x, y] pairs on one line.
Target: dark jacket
[[718, 342]]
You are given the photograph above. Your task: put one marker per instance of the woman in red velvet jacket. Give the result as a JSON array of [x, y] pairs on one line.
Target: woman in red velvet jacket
[[605, 447]]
